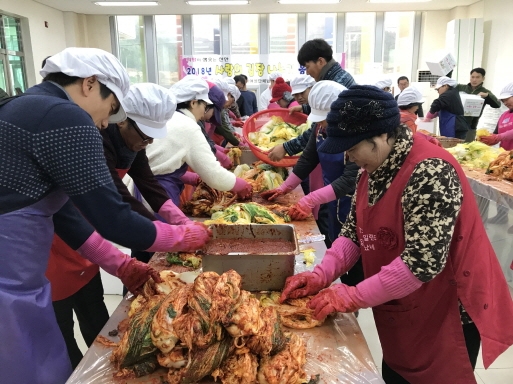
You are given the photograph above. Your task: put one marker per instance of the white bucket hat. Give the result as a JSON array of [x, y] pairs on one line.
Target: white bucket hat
[[191, 88], [301, 83], [384, 83], [409, 96], [444, 80], [320, 98], [150, 106], [87, 62], [506, 92]]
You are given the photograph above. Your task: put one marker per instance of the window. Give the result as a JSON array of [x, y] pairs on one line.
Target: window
[[132, 52], [244, 34], [206, 34], [12, 61], [398, 42], [283, 33], [321, 26], [169, 48], [359, 41]]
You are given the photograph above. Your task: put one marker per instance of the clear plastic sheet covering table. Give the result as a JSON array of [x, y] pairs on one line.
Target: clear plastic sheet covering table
[[337, 350], [490, 187]]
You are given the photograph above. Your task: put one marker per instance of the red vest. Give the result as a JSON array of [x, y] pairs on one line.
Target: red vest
[[421, 334], [67, 271]]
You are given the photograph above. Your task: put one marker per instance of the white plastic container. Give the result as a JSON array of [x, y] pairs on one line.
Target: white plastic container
[[472, 104], [441, 65], [425, 125]]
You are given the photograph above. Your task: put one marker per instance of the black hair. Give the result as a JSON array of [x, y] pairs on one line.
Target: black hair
[[479, 70], [240, 79], [188, 104], [44, 61], [244, 76], [405, 107], [64, 80], [403, 78], [313, 49]]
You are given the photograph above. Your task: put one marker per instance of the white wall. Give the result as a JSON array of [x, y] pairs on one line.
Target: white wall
[[432, 35], [498, 55], [42, 41]]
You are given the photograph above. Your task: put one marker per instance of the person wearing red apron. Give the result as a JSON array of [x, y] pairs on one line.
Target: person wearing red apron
[[185, 145], [76, 282], [503, 135], [431, 276], [339, 178], [53, 179]]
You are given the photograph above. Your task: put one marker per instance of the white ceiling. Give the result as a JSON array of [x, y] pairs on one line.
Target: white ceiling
[[179, 7]]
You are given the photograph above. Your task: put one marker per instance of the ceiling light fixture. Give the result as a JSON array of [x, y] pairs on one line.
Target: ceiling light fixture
[[218, 2], [126, 3], [397, 1], [285, 2]]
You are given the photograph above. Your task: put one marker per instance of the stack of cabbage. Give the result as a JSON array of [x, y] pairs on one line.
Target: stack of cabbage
[[263, 177], [475, 154], [275, 132], [248, 213]]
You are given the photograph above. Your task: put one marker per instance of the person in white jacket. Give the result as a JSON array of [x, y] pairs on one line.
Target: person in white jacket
[[185, 145]]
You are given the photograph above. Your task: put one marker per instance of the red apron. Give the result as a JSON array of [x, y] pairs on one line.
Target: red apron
[[421, 334], [67, 271]]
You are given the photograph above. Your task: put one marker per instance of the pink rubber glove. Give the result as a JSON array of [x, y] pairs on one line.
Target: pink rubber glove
[[190, 178], [238, 124], [430, 116], [491, 140], [303, 208], [337, 260], [133, 273], [242, 188], [393, 281], [176, 238], [223, 158], [173, 215], [289, 185]]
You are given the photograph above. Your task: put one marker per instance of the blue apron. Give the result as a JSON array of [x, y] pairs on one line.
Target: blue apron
[[447, 123], [32, 349], [333, 166]]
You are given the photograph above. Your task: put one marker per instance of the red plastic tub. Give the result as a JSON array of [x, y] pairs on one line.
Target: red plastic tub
[[257, 120]]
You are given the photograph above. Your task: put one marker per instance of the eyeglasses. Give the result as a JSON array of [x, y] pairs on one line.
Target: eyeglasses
[[145, 140]]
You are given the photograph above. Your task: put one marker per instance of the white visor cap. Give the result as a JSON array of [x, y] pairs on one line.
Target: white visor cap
[[444, 80], [191, 88], [87, 62], [506, 92], [150, 106], [409, 96], [301, 83], [320, 98]]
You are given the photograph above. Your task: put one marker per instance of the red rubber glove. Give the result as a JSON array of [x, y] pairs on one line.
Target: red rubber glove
[[302, 284], [337, 298], [304, 207], [289, 185], [134, 274], [238, 124], [490, 140], [176, 238], [242, 188]]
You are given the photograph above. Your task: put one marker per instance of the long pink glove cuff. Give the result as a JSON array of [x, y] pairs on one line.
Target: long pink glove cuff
[[291, 183], [223, 157], [99, 251], [172, 214], [337, 260], [168, 237], [394, 281], [320, 196], [430, 115], [240, 185], [190, 178]]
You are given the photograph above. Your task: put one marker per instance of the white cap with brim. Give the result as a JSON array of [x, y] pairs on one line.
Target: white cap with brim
[[191, 88], [273, 76], [410, 95], [87, 62], [301, 83], [506, 92], [151, 106], [320, 98], [384, 83], [444, 80]]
